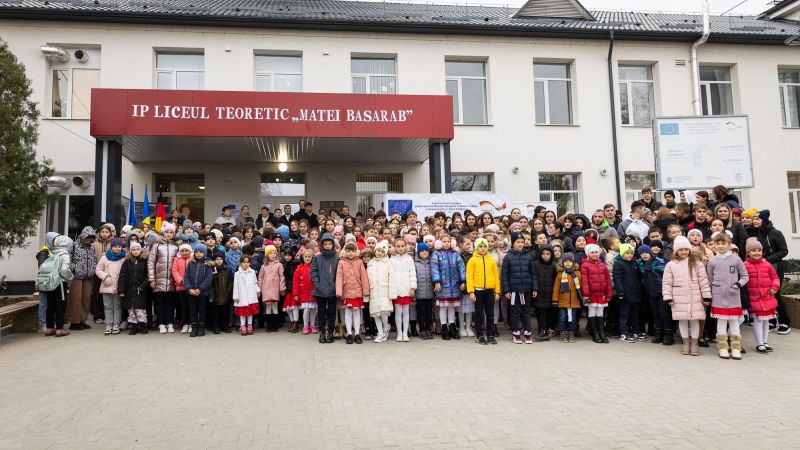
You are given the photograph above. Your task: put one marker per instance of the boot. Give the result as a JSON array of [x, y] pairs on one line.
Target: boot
[[143, 328], [669, 337], [722, 346], [329, 337], [322, 339], [694, 347], [134, 329], [685, 346], [202, 329], [413, 329], [445, 334], [194, 330], [594, 330], [601, 330], [564, 337], [571, 337], [454, 332], [658, 336], [736, 347]]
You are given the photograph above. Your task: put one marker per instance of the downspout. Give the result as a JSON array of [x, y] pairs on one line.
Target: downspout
[[614, 142], [696, 102]]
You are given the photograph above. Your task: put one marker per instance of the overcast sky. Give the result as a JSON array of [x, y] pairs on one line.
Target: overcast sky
[[717, 6]]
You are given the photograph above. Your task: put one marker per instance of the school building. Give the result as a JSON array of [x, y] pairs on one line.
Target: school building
[[268, 101]]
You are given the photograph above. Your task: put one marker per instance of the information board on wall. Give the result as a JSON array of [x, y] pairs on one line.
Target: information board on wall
[[700, 152], [428, 204]]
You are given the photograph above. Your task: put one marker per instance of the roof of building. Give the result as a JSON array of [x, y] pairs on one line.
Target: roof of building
[[401, 17]]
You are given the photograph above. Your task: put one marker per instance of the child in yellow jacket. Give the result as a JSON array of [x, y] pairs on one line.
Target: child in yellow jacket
[[483, 287]]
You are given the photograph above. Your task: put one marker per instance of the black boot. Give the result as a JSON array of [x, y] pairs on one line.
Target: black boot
[[413, 328], [658, 336], [669, 337], [601, 330], [134, 329], [202, 330], [592, 322], [194, 329], [329, 337], [445, 334], [143, 328], [454, 332], [322, 339]]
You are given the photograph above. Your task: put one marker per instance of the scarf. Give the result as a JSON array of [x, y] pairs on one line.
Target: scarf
[[565, 281], [111, 256]]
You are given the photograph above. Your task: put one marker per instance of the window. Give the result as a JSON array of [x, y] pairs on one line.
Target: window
[[794, 200], [471, 182], [72, 83], [67, 214], [561, 188], [179, 70], [789, 85], [182, 189], [552, 94], [636, 95], [466, 82], [716, 90], [371, 190], [636, 181], [279, 73], [374, 75]]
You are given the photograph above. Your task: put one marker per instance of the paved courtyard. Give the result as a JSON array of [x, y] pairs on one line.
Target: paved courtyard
[[286, 391]]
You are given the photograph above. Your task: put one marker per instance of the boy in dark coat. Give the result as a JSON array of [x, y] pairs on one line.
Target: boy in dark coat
[[219, 296], [628, 284], [519, 285], [546, 274]]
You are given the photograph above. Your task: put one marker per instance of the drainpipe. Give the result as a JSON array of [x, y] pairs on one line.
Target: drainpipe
[[613, 117], [696, 102]]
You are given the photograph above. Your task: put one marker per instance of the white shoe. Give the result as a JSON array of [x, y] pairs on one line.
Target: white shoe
[[470, 333], [170, 328], [162, 329], [399, 337], [463, 332], [378, 339], [108, 329], [405, 338], [185, 329]]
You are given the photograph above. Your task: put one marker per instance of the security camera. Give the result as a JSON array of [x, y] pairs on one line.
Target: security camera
[[80, 181], [515, 170], [603, 172]]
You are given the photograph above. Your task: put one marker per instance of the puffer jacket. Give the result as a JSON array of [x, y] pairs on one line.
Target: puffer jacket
[[289, 267], [627, 280], [108, 273], [302, 285], [405, 275], [351, 279], [199, 275], [132, 283], [723, 273], [221, 291], [571, 298], [652, 273], [686, 293], [179, 265], [545, 276], [774, 245], [518, 273], [595, 281], [424, 281], [482, 274], [323, 273], [381, 278], [762, 278], [83, 259], [447, 269], [271, 281], [62, 246], [159, 265]]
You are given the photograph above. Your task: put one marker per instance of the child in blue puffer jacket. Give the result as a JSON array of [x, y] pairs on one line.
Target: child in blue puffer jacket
[[449, 275], [651, 268]]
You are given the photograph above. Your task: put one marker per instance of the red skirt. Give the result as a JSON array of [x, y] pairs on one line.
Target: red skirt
[[402, 301], [598, 299], [290, 303], [354, 303], [764, 315], [726, 313], [244, 311]]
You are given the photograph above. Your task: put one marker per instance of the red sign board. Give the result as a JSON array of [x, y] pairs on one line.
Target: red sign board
[[143, 112]]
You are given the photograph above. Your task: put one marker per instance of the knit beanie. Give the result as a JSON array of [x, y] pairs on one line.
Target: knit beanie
[[258, 241], [568, 257], [218, 254], [592, 248], [235, 239], [492, 228], [694, 231], [644, 248], [110, 226], [127, 229], [216, 233], [117, 242], [515, 236], [372, 239], [750, 212], [270, 249], [625, 248], [383, 245], [481, 241], [187, 224], [196, 226], [135, 245], [410, 239], [167, 227], [200, 247], [656, 243], [349, 237], [752, 244], [185, 247], [680, 243], [283, 231], [338, 229], [423, 247], [764, 215]]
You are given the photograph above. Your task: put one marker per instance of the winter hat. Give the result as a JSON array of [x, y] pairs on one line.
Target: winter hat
[[185, 247], [680, 243], [270, 249], [423, 247], [625, 248], [752, 244], [167, 227], [750, 212], [515, 236], [134, 245], [372, 239], [216, 233], [258, 241], [644, 248], [349, 237], [226, 231], [199, 247], [592, 248], [515, 227], [492, 228], [764, 215], [428, 238], [567, 257], [283, 231], [591, 241], [734, 247], [117, 242], [383, 245], [410, 239], [150, 238], [196, 226], [218, 254], [694, 231], [187, 224], [49, 237], [127, 229], [437, 245], [338, 229], [736, 210], [629, 238], [235, 239], [656, 243], [481, 241], [110, 226]]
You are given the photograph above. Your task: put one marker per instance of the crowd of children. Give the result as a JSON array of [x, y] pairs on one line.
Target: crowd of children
[[701, 269]]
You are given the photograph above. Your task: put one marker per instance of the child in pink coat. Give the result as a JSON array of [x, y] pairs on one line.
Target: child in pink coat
[[273, 286], [762, 286], [107, 271]]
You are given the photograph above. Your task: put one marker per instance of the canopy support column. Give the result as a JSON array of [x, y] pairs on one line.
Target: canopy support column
[[439, 162], [108, 183]]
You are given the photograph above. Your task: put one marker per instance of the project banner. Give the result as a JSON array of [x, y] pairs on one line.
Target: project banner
[[702, 152], [426, 205], [528, 208]]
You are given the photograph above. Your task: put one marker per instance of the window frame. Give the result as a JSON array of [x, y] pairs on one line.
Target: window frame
[[174, 72], [575, 190], [794, 204], [546, 97], [70, 66], [629, 93], [783, 89], [367, 77], [474, 174], [705, 88], [257, 73], [458, 79], [637, 192]]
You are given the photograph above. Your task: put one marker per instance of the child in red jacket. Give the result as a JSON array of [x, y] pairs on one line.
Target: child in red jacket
[[302, 286], [596, 287], [762, 286]]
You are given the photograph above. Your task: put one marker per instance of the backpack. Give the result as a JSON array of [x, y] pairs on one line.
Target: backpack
[[49, 276]]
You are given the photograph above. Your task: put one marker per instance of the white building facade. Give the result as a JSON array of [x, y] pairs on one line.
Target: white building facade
[[532, 102]]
